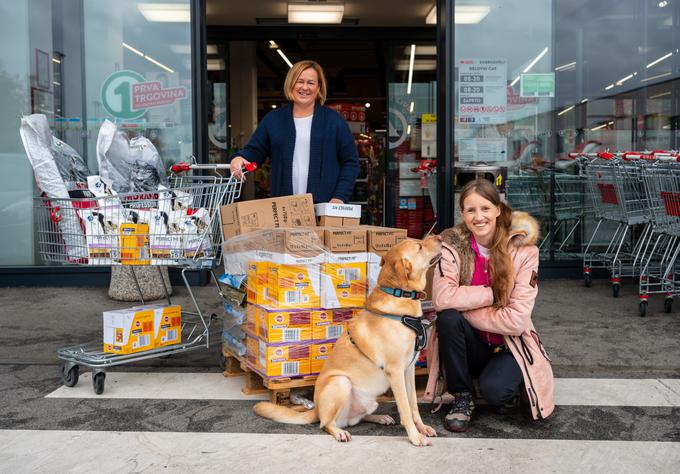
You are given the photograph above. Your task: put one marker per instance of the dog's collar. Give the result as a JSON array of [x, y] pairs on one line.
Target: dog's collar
[[399, 293]]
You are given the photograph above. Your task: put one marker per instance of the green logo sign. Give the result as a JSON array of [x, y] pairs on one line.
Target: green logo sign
[[537, 85], [116, 94]]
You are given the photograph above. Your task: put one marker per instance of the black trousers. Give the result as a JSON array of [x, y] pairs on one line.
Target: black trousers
[[464, 356]]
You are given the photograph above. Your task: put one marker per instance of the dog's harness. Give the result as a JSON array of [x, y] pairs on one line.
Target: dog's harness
[[413, 323]]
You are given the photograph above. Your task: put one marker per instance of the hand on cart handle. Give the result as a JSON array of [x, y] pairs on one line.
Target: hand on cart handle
[[184, 166], [238, 165]]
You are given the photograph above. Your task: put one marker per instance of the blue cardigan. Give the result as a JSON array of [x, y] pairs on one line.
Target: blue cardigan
[[333, 161]]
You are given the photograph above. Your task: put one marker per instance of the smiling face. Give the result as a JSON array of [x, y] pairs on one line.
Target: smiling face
[[306, 88], [479, 215]]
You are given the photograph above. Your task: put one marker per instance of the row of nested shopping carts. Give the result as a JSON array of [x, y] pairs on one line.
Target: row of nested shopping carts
[[634, 199]]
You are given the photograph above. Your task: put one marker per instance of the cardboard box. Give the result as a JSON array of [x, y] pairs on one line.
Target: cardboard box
[[337, 221], [167, 325], [351, 211], [330, 324], [256, 289], [134, 244], [284, 360], [251, 324], [127, 331], [319, 353], [284, 326], [293, 286], [345, 239], [253, 351], [165, 237], [343, 280], [299, 242], [286, 211], [102, 234], [379, 241]]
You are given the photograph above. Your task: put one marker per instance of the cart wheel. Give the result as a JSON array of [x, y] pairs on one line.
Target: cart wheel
[[223, 361], [588, 280], [643, 309], [70, 377], [668, 305], [98, 382], [615, 290]]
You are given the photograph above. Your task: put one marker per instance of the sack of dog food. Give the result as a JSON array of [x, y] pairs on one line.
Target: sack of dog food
[[131, 165]]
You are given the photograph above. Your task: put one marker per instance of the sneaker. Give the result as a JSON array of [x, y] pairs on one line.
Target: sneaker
[[458, 417]]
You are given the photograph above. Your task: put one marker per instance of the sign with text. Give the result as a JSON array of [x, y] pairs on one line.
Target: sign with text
[[152, 94], [482, 96], [537, 85]]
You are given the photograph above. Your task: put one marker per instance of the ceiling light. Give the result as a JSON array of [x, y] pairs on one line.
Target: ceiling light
[[367, 105], [148, 58], [165, 12], [514, 81], [658, 76], [211, 49], [410, 68], [427, 50], [55, 60], [308, 12], [134, 50], [462, 14], [566, 67], [663, 94], [418, 65], [663, 3], [657, 61], [584, 101], [536, 59], [273, 44], [610, 86], [273, 106], [597, 128], [283, 56], [566, 110], [411, 107], [621, 81]]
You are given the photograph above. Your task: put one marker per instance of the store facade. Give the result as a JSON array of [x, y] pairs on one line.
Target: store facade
[[502, 89]]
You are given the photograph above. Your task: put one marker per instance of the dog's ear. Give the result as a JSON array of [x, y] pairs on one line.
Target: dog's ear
[[402, 268]]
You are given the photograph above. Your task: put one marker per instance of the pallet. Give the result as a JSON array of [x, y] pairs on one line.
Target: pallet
[[279, 389]]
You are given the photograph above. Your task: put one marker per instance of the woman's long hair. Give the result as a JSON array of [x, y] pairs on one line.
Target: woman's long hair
[[502, 279]]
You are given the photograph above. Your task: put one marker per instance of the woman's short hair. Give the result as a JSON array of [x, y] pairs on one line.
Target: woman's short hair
[[294, 74]]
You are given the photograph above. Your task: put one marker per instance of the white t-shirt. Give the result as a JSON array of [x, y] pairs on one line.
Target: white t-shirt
[[303, 134], [483, 251]]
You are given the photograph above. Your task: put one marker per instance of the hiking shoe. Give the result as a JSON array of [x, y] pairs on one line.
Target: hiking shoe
[[458, 417]]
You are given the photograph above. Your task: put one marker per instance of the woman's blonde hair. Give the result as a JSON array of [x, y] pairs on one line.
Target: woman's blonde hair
[[502, 279], [294, 74]]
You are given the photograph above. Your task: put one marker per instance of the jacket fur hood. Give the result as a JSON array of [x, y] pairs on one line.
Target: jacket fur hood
[[524, 231]]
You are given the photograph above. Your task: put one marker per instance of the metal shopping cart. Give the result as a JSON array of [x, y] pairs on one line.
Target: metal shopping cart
[[618, 196], [178, 226]]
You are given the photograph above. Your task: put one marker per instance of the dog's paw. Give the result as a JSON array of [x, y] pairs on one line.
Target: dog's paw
[[382, 419], [343, 436], [419, 440], [426, 430]]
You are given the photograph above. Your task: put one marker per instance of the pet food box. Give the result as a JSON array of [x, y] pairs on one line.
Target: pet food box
[[167, 324], [283, 326], [343, 273], [101, 234], [283, 360], [319, 353], [330, 324], [128, 330], [333, 214], [165, 237], [293, 286], [379, 241], [134, 244], [285, 211]]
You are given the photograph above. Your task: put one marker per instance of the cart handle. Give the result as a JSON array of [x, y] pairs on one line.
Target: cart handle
[[605, 155], [184, 166]]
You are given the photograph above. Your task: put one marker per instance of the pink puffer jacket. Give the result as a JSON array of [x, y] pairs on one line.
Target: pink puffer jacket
[[451, 289]]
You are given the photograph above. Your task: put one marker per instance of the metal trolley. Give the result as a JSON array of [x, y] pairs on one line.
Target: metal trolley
[[110, 230]]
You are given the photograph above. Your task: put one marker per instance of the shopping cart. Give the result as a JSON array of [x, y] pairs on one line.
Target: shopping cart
[[178, 226], [660, 274], [618, 195]]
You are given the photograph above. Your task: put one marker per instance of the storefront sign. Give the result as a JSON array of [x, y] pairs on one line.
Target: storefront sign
[[488, 150], [482, 97], [537, 85], [354, 115], [127, 95]]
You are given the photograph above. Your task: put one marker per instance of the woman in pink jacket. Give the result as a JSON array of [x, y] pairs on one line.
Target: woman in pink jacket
[[484, 290]]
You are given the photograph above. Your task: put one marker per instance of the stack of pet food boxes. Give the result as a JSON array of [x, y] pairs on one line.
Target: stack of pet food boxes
[[141, 328]]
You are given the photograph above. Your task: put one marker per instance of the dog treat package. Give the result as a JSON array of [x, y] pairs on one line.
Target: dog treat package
[[195, 230], [128, 330], [165, 237], [343, 280], [284, 360], [293, 286], [134, 244], [284, 326], [37, 141], [252, 319], [132, 165], [319, 353], [330, 324], [167, 323]]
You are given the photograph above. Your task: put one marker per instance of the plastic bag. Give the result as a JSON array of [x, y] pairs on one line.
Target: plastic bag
[[131, 165]]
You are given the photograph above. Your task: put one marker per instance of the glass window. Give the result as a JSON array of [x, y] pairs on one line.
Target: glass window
[[79, 63]]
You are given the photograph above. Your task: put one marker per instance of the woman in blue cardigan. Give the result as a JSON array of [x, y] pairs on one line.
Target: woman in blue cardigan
[[311, 147]]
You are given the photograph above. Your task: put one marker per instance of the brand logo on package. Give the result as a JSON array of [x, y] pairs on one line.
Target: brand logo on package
[[300, 276], [127, 95], [278, 318], [137, 324], [323, 316], [278, 352], [323, 349]]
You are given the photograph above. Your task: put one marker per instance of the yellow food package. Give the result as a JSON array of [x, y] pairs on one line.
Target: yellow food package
[[319, 354], [284, 360], [285, 326], [252, 351], [134, 244], [128, 330], [330, 323], [343, 281], [293, 286], [252, 322], [256, 292], [167, 325]]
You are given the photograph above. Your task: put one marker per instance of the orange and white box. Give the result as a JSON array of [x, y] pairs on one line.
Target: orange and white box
[[343, 280], [319, 354], [134, 244], [167, 323], [330, 324], [128, 330], [284, 360], [284, 326], [293, 286], [253, 351], [256, 291], [252, 322]]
